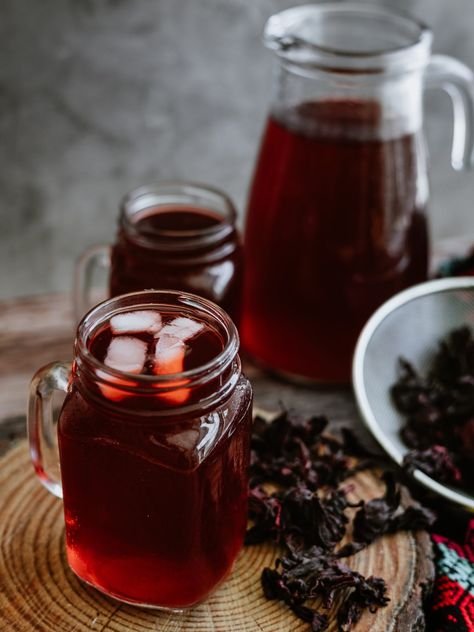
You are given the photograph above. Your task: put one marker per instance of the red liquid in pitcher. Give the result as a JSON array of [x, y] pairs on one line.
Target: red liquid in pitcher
[[335, 226], [155, 507], [159, 255]]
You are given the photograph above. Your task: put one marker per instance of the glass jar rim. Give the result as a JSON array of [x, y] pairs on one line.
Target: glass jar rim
[[177, 193], [286, 34], [144, 300]]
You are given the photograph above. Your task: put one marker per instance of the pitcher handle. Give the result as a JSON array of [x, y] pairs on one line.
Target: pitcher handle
[[42, 435], [457, 80], [92, 259]]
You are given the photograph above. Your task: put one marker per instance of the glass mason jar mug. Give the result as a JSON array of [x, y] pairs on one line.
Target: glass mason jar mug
[[336, 221], [154, 447], [173, 235]]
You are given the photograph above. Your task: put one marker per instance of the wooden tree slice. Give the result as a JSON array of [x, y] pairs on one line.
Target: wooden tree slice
[[39, 592]]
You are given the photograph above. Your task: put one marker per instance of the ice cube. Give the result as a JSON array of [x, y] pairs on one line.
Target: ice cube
[[178, 396], [127, 354], [110, 392], [169, 355], [182, 328], [146, 321], [169, 359]]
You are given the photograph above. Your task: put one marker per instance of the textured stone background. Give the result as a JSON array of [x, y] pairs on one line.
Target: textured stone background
[[99, 96]]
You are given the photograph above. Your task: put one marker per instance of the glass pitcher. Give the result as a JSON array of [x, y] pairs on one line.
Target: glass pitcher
[[336, 221]]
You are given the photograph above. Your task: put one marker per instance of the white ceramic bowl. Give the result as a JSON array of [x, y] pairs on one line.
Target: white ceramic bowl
[[410, 325]]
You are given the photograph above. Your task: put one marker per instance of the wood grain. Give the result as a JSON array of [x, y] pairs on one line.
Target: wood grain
[[38, 592], [33, 332]]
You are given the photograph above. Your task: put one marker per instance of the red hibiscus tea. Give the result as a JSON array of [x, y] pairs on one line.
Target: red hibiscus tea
[[180, 237], [335, 226], [154, 448], [174, 236]]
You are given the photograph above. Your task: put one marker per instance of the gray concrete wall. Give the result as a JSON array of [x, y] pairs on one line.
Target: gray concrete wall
[[99, 96]]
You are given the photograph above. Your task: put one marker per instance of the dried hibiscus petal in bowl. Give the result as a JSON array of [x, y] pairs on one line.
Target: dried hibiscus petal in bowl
[[439, 411]]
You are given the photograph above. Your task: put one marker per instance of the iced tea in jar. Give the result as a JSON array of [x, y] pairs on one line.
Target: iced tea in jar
[[154, 447]]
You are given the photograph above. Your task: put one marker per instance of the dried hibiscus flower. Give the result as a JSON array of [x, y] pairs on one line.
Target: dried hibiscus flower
[[306, 516], [439, 411]]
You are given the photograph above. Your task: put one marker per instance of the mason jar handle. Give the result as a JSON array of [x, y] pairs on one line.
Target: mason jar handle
[[457, 80], [42, 433], [91, 260]]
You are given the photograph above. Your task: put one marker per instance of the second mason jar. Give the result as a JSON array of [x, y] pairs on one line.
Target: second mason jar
[[173, 235]]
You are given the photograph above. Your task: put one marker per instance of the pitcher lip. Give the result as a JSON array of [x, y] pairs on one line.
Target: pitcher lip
[[108, 308], [282, 37]]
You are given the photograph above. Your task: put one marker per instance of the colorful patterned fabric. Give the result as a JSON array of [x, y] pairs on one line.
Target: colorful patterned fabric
[[453, 598], [452, 607]]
